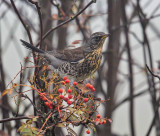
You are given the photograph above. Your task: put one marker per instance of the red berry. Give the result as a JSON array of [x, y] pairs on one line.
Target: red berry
[[98, 122], [93, 89], [66, 99], [46, 103], [60, 90], [88, 85], [61, 96], [85, 99], [70, 96], [50, 106], [62, 82], [69, 90], [67, 81], [104, 122], [88, 131], [44, 98], [98, 116], [65, 77], [50, 103], [69, 102], [74, 83], [26, 58]]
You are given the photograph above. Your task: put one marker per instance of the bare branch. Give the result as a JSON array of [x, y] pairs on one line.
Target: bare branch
[[67, 21], [22, 21], [40, 19], [14, 118], [127, 44]]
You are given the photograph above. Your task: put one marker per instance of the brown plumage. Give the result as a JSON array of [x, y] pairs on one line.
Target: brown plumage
[[79, 63]]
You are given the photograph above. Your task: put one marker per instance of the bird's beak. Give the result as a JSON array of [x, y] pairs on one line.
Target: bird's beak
[[106, 35]]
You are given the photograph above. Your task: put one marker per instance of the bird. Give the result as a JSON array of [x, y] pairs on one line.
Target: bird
[[79, 63]]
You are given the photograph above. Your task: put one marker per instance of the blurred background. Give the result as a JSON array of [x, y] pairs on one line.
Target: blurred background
[[123, 77]]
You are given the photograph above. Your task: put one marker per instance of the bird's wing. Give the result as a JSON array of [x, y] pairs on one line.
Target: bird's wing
[[71, 55]]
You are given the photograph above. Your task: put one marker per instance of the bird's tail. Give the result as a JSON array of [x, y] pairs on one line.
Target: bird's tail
[[31, 47]]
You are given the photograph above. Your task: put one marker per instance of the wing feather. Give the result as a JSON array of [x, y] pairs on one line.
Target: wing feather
[[71, 55]]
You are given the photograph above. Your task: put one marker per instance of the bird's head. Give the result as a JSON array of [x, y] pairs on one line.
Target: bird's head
[[97, 39]]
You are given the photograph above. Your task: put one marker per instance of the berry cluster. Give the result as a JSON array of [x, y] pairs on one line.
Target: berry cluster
[[88, 85], [47, 102], [99, 120], [67, 93]]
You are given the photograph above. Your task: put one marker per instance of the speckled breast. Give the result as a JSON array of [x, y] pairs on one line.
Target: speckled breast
[[84, 68], [89, 66]]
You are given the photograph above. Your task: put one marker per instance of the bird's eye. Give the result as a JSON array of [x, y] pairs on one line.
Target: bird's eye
[[97, 39]]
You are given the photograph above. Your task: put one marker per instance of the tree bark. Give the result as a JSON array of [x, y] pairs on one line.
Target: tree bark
[[62, 32], [112, 58]]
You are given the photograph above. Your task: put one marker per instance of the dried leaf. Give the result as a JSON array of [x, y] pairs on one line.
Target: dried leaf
[[55, 16], [10, 91], [76, 42], [44, 67], [15, 85], [5, 92], [34, 118], [29, 121], [74, 9], [27, 130], [63, 13], [62, 125]]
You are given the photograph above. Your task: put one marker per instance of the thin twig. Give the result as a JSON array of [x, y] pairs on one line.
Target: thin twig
[[132, 126], [41, 34], [81, 29], [20, 91], [147, 47], [45, 122], [134, 22], [154, 118], [14, 118], [20, 72], [154, 75], [25, 96], [67, 21], [152, 124], [130, 97], [22, 21], [40, 19]]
